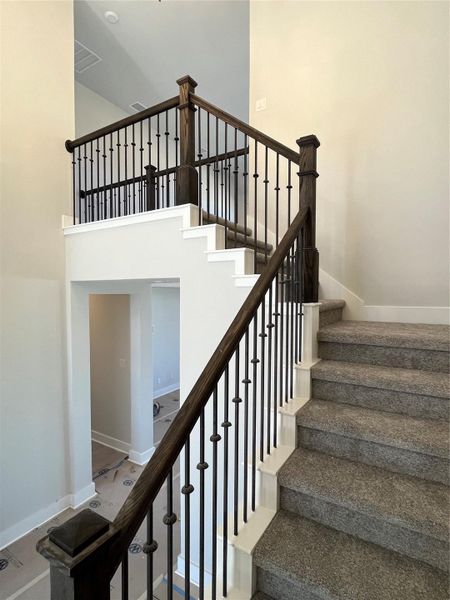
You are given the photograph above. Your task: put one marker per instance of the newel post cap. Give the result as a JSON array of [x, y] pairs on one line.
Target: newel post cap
[[187, 79], [308, 140]]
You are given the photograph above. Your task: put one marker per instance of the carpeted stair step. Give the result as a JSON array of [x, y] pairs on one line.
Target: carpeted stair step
[[403, 345], [299, 559], [399, 512], [422, 394], [402, 444], [330, 311]]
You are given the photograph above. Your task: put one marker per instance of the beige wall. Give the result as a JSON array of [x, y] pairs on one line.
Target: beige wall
[[37, 115], [109, 328], [371, 80]]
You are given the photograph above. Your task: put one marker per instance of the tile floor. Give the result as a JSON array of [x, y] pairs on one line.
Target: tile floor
[[24, 573]]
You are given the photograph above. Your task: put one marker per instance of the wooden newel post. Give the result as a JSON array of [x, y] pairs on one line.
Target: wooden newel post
[[78, 556], [308, 174], [150, 171], [187, 178]]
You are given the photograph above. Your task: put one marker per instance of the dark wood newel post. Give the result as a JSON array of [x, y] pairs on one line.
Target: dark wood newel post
[[187, 178], [150, 171], [78, 554], [308, 174]]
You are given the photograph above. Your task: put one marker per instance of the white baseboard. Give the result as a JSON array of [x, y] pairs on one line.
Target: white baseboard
[[141, 458], [18, 530], [356, 309], [111, 442], [166, 390]]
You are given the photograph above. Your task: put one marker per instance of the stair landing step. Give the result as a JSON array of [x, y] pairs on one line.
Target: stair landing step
[[402, 500], [398, 335], [304, 557], [390, 429], [412, 381]]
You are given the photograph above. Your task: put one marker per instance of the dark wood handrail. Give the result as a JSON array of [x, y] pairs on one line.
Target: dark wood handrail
[[140, 116], [246, 129], [134, 510]]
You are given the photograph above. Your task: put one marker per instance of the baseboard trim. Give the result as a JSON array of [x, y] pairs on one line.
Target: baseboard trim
[[18, 530], [166, 390], [111, 442], [356, 309], [141, 458]]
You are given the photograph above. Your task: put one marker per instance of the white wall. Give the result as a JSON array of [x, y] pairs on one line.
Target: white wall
[[371, 80], [37, 115], [92, 111], [165, 339], [109, 328]]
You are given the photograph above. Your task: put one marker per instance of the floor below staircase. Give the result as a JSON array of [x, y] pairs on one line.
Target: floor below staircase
[[364, 500]]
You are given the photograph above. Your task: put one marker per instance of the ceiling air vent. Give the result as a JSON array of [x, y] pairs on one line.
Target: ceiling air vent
[[138, 106], [84, 58]]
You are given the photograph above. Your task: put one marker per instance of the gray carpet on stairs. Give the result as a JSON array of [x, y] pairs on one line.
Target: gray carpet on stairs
[[308, 560], [399, 512], [364, 499]]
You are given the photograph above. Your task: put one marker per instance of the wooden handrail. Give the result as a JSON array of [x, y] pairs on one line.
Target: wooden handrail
[[140, 116], [246, 129]]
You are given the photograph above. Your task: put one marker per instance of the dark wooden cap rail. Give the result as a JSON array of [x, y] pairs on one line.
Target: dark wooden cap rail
[[246, 129], [138, 117]]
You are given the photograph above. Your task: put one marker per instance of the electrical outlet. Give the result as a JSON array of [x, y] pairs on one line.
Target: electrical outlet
[[158, 380], [122, 362], [261, 104]]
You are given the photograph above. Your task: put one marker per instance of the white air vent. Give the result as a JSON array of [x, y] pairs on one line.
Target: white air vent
[[84, 58], [137, 106]]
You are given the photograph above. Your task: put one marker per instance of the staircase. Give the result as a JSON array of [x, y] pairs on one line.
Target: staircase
[[364, 500]]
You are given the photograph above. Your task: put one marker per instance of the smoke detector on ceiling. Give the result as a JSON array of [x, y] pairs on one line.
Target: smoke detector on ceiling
[[84, 58], [111, 17]]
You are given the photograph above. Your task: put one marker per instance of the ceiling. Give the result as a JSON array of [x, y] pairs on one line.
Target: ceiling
[[154, 43]]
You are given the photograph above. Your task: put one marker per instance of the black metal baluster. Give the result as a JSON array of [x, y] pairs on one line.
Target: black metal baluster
[[263, 336], [215, 438], [289, 188], [126, 190], [118, 172], [208, 166], [166, 134], [149, 160], [169, 520], [125, 576], [105, 199], [245, 176], [141, 172], [255, 221], [276, 315], [235, 193], [266, 196], [177, 139], [98, 178], [200, 156], [237, 400], [277, 201], [187, 490], [246, 381], [254, 362], [149, 549], [282, 326], [216, 174], [270, 326], [202, 466], [226, 425], [292, 288], [79, 185], [111, 208], [222, 212], [158, 164], [287, 289], [225, 188], [133, 162]]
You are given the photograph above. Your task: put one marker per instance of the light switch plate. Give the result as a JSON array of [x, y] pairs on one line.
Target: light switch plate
[[261, 104]]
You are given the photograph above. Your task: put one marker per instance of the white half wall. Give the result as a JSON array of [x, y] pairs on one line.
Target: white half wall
[[371, 80]]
